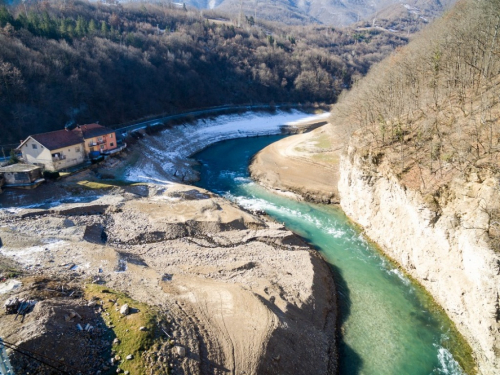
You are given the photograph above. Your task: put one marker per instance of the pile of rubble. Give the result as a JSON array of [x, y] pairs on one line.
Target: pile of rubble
[[18, 306], [68, 335]]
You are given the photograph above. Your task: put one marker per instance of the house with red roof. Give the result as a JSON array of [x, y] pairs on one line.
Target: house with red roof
[[66, 148], [55, 150]]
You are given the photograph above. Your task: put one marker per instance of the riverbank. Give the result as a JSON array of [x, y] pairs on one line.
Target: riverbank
[[440, 241], [234, 288], [166, 157], [452, 260], [229, 282], [305, 164]]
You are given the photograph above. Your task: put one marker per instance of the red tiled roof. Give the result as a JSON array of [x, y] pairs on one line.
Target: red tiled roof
[[58, 139], [92, 130]]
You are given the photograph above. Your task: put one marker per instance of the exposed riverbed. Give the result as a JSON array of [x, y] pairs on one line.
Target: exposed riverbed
[[388, 324]]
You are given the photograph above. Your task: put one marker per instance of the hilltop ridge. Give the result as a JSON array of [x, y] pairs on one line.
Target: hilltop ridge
[[338, 13]]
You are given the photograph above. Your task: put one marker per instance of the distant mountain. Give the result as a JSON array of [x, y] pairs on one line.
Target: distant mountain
[[329, 12]]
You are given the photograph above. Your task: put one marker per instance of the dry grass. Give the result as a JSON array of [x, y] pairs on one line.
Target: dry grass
[[105, 184], [9, 268]]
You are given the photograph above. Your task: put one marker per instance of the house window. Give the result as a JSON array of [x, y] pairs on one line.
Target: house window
[[102, 147], [111, 144], [34, 146], [111, 135], [69, 150], [77, 149]]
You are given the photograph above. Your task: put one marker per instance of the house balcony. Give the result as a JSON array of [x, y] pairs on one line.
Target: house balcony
[[58, 158], [92, 144]]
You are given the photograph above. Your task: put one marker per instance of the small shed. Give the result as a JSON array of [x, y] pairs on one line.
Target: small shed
[[26, 176]]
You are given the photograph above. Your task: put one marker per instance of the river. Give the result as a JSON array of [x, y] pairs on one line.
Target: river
[[388, 324]]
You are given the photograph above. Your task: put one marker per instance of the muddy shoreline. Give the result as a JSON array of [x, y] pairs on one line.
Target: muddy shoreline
[[304, 164]]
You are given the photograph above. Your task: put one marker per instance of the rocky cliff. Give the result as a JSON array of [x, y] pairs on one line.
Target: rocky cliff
[[442, 241]]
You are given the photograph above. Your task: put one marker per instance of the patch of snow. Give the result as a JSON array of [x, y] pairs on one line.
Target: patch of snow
[[165, 157], [9, 286], [27, 256], [322, 116]]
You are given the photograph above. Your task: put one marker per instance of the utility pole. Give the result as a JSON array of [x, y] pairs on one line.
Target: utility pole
[[241, 11], [25, 10]]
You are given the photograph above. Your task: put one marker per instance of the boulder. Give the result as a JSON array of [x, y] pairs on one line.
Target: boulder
[[124, 310], [180, 350]]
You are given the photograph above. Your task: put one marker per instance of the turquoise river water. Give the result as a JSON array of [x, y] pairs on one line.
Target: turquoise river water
[[388, 325]]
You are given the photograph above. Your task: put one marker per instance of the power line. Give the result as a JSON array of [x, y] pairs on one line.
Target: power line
[[26, 353], [35, 353]]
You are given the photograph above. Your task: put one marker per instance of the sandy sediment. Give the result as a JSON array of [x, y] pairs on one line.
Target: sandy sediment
[[247, 296], [305, 164]]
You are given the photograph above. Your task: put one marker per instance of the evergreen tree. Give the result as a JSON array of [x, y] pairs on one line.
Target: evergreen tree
[[104, 28], [81, 26], [5, 17], [92, 27]]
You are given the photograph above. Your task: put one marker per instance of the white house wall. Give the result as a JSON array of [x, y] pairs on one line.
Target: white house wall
[[40, 155], [72, 155]]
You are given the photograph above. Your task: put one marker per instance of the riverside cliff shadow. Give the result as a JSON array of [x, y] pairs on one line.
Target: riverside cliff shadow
[[350, 363]]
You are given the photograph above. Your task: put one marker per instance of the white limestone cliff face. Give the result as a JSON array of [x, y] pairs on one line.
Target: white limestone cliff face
[[447, 252]]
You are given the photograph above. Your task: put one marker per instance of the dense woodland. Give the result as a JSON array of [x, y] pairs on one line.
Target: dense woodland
[[71, 60], [431, 112]]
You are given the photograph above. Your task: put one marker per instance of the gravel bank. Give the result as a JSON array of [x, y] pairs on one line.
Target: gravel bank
[[238, 287]]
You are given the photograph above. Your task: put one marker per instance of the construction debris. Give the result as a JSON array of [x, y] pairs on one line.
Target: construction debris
[[19, 306]]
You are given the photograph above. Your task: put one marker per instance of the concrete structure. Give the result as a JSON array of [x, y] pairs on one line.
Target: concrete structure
[[54, 150], [25, 176]]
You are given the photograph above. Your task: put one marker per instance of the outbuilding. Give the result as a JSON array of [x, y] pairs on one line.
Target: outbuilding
[[26, 176]]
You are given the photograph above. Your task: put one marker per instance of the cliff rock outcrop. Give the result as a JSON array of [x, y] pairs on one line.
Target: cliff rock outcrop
[[443, 241]]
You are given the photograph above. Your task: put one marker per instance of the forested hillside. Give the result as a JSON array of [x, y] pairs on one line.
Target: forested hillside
[[87, 62], [431, 111]]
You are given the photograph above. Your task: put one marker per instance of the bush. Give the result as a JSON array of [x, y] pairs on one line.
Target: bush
[[50, 175]]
